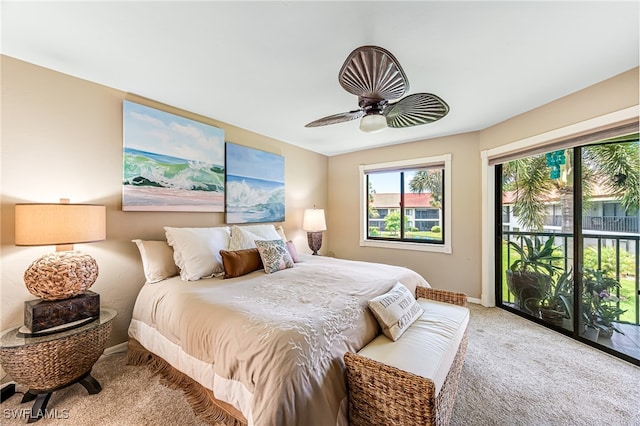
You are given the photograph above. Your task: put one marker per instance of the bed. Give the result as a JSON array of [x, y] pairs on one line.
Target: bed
[[263, 349]]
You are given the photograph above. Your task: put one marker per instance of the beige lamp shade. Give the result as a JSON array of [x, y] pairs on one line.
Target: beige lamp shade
[[65, 273], [313, 220], [59, 224]]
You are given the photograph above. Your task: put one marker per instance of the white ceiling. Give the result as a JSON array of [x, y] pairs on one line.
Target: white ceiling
[[272, 67]]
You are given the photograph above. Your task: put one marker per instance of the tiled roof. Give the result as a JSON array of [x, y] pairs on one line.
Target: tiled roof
[[392, 200]]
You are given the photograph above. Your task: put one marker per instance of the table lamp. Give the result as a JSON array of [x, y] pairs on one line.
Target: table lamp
[[64, 273], [314, 224]]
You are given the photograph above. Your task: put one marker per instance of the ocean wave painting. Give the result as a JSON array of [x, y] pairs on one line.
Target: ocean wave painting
[[171, 163], [254, 185]]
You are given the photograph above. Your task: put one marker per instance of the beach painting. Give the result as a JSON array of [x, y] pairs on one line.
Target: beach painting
[[255, 185], [170, 163]]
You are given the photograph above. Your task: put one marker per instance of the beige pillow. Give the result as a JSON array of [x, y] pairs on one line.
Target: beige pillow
[[157, 260], [240, 262], [395, 311], [280, 231]]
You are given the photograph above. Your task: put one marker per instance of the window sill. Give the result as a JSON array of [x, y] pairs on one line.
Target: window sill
[[403, 245]]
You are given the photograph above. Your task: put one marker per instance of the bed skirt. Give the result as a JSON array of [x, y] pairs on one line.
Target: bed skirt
[[201, 399]]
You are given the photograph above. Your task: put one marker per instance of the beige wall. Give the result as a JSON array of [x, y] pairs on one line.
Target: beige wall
[[457, 271], [608, 96], [460, 270], [62, 137]]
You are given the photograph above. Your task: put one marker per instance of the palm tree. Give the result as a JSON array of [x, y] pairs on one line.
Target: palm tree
[[613, 164], [620, 164], [373, 212], [428, 181]]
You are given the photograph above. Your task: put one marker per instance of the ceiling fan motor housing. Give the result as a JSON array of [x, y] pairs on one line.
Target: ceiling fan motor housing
[[372, 106]]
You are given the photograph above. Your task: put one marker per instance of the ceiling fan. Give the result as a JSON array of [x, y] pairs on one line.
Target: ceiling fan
[[375, 76]]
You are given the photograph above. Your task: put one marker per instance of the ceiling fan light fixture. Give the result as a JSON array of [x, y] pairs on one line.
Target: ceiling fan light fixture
[[372, 123]]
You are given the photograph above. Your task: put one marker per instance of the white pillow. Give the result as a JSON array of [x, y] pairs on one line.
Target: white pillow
[[395, 311], [266, 231], [196, 251], [157, 260], [244, 237]]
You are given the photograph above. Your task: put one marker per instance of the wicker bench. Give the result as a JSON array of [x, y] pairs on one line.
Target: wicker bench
[[386, 379]]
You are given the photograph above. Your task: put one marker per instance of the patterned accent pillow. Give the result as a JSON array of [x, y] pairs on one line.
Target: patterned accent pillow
[[274, 255], [395, 311]]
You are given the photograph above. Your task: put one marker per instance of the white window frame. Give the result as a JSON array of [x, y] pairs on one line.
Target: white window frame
[[408, 164]]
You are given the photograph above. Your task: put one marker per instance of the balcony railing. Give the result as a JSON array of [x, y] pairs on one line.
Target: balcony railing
[[611, 223], [622, 259], [626, 224]]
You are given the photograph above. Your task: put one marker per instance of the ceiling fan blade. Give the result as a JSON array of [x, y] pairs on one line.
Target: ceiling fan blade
[[416, 109], [372, 72], [337, 118]]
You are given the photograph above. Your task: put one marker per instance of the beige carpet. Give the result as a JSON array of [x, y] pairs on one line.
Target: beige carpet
[[519, 373], [515, 373]]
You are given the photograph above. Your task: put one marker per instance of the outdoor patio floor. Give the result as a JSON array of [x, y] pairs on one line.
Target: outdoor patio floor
[[627, 343]]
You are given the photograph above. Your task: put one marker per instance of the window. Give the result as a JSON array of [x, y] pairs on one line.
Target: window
[[406, 204]]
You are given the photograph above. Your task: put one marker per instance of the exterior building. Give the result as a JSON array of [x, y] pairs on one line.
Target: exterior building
[[603, 215], [421, 215], [605, 221]]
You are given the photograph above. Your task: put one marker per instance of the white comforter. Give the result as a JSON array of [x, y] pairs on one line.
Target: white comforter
[[270, 345]]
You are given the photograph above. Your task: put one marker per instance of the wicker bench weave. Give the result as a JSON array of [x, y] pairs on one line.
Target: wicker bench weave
[[380, 394]]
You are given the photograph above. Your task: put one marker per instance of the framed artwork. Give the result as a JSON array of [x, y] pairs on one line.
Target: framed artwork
[[170, 163], [255, 185]]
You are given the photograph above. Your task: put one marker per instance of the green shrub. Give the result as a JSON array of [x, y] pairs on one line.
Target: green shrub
[[373, 230], [436, 229], [608, 260]]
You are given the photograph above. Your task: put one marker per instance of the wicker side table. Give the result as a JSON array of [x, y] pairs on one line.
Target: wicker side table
[[49, 362]]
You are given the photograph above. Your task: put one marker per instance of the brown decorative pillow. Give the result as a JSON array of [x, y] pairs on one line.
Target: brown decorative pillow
[[240, 262]]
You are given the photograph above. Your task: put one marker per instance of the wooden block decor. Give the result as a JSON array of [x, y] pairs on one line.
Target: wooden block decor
[[43, 314]]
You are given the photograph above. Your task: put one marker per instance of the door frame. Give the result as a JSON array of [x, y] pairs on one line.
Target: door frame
[[488, 191]]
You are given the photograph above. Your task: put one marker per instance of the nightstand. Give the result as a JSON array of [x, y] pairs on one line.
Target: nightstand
[[51, 361]]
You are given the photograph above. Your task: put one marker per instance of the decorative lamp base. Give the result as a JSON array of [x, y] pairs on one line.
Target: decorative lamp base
[[315, 241], [60, 275]]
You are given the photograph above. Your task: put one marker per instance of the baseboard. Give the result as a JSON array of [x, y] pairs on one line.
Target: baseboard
[[474, 300], [121, 347]]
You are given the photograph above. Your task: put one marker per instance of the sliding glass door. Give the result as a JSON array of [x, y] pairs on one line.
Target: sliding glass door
[[569, 243]]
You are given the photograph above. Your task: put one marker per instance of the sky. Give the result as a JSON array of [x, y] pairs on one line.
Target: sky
[[253, 163], [151, 130], [389, 182]]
